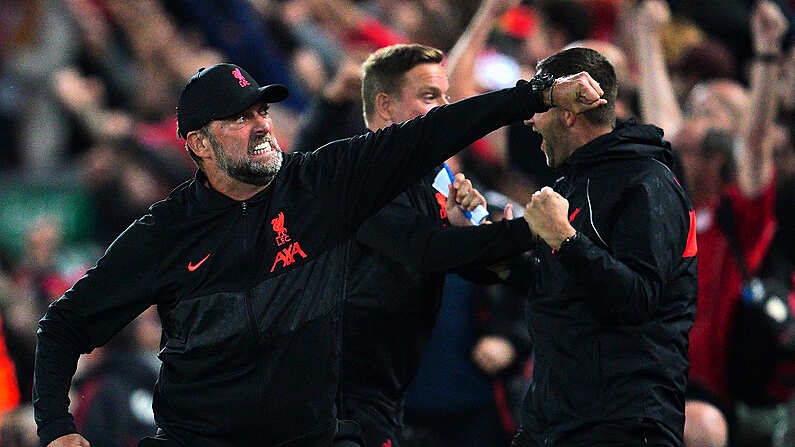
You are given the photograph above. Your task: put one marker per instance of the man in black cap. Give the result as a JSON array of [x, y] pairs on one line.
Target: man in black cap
[[241, 263]]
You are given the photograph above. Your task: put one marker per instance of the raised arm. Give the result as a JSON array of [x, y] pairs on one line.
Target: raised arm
[[755, 159], [330, 116], [658, 103], [461, 59]]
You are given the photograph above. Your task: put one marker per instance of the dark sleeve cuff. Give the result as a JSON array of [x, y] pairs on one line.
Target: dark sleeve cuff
[[520, 233], [574, 253], [530, 102], [55, 429]]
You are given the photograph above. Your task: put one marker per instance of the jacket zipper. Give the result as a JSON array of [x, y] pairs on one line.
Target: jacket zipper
[[250, 309]]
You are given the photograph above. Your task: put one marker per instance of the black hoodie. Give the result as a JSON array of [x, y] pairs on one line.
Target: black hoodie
[[610, 313]]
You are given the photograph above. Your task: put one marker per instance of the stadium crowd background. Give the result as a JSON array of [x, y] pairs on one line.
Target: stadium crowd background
[[88, 92]]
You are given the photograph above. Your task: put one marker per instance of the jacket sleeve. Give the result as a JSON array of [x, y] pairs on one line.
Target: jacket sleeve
[[404, 234], [361, 174], [646, 241], [110, 295]]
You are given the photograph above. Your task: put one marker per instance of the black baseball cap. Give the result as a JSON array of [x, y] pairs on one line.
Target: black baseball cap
[[218, 92]]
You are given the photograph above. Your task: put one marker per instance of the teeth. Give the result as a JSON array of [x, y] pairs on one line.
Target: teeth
[[262, 147]]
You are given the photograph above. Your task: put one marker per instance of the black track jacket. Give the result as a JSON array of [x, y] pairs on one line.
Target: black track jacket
[[398, 263], [248, 292], [610, 314]]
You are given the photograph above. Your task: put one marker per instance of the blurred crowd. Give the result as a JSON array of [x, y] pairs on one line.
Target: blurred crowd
[[88, 92]]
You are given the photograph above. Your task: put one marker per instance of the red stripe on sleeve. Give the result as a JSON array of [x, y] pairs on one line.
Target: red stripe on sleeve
[[574, 214], [691, 249]]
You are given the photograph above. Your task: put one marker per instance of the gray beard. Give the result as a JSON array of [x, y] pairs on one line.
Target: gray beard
[[258, 173]]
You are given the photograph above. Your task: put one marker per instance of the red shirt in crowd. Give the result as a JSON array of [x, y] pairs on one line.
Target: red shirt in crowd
[[720, 280]]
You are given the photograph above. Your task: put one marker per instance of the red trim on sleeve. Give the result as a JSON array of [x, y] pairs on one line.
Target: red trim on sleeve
[[691, 249], [574, 214]]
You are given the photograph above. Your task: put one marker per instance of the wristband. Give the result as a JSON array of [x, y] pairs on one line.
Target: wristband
[[568, 242], [538, 84]]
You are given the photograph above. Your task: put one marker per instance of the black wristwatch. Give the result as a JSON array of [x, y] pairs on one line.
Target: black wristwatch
[[538, 84], [568, 242]]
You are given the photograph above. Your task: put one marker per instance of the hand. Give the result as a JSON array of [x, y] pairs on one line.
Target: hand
[[507, 213], [651, 16], [493, 353], [547, 216], [70, 440], [768, 27], [462, 197], [347, 83], [577, 93]]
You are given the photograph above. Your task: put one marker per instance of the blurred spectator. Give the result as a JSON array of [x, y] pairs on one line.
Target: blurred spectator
[[560, 22], [459, 396], [18, 428], [39, 277], [337, 112], [9, 388], [721, 172], [706, 60], [42, 38], [233, 28], [112, 391]]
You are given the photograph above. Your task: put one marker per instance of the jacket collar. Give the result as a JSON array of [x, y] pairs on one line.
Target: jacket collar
[[628, 140], [209, 199]]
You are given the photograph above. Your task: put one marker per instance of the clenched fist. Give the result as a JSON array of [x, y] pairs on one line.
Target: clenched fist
[[547, 216], [577, 93]]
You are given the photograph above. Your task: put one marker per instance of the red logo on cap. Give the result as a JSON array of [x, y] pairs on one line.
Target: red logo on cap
[[240, 79]]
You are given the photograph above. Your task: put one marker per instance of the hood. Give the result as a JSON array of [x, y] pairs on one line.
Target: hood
[[627, 141]]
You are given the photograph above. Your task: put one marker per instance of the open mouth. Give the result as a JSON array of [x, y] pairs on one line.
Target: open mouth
[[262, 148]]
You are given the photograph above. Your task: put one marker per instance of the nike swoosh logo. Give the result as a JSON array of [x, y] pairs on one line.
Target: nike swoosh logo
[[192, 267]]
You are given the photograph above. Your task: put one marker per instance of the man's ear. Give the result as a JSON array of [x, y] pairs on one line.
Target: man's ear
[[383, 106], [199, 143], [568, 118]]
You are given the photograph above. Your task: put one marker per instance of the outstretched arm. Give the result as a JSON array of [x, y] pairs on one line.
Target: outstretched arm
[[362, 174], [402, 233]]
